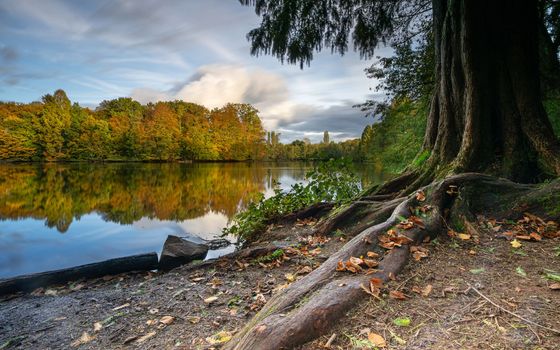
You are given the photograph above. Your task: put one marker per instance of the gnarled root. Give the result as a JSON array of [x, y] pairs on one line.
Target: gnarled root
[[307, 309]]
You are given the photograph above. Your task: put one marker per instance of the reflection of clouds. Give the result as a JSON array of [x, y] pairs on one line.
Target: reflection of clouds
[[206, 227]]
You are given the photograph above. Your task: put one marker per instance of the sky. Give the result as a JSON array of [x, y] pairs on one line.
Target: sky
[[157, 50]]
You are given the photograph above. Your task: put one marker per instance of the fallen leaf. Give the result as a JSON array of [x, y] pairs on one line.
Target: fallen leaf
[[290, 277], [520, 271], [402, 321], [464, 236], [151, 322], [515, 244], [427, 290], [167, 320], [194, 319], [356, 261], [340, 266], [210, 300], [417, 221], [554, 286], [84, 339], [420, 196], [372, 255], [354, 268], [304, 270], [399, 240], [377, 282], [377, 340], [535, 236], [395, 294], [370, 263], [388, 245], [145, 337], [97, 326]]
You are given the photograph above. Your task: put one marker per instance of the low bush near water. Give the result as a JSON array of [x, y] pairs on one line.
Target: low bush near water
[[331, 181]]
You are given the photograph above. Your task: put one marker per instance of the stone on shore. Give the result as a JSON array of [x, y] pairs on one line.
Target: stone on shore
[[178, 251]]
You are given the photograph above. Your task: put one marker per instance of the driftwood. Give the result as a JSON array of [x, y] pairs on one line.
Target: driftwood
[[27, 283]]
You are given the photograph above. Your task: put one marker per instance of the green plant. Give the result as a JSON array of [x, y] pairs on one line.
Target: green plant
[[332, 181], [277, 254]]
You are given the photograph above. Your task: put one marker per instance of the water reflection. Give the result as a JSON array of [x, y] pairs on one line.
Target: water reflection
[[59, 215]]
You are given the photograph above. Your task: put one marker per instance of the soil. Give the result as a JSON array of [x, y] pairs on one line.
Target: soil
[[208, 302]]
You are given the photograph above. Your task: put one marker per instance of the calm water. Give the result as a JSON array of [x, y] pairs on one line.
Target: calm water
[[60, 215]]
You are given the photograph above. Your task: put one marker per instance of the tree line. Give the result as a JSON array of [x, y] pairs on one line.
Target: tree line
[[123, 129]]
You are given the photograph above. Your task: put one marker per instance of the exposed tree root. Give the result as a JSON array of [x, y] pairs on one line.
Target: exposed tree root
[[311, 305], [357, 216]]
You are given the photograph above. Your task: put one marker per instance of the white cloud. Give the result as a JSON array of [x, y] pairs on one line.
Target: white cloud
[[215, 85]]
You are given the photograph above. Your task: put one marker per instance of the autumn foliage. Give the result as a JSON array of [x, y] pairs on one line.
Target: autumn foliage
[[123, 129]]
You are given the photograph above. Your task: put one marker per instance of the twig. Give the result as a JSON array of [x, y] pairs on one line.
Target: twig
[[512, 313], [329, 342], [405, 281]]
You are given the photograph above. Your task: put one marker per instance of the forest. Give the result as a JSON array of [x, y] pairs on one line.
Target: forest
[[125, 130]]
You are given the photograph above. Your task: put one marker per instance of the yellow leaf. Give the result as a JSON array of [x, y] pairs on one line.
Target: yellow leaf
[[515, 244], [377, 340], [464, 236], [290, 277]]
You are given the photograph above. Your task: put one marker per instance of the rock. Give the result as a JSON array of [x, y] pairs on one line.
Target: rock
[[218, 243], [178, 251]]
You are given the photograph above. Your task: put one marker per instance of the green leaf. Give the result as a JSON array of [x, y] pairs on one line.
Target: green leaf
[[552, 275], [521, 272], [477, 271], [402, 321]]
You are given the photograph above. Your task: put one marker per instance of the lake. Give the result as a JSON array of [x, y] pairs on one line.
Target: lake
[[58, 215]]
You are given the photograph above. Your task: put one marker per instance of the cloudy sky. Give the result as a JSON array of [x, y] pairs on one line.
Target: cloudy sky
[[153, 50]]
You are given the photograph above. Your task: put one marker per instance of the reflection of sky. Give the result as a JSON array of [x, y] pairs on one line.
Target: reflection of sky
[[28, 245]]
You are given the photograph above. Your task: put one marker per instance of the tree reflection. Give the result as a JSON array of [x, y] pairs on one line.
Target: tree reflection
[[124, 193]]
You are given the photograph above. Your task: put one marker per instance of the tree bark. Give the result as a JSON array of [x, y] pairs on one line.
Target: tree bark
[[487, 111], [311, 305]]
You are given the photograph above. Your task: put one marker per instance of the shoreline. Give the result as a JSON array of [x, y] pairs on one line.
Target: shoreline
[[200, 306]]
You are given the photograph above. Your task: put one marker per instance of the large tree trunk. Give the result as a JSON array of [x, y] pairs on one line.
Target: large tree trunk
[[486, 115], [486, 111]]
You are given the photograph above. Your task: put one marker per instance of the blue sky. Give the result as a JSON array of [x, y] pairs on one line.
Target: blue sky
[[154, 50]]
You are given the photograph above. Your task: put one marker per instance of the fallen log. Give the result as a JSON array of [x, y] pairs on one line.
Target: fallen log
[[27, 283]]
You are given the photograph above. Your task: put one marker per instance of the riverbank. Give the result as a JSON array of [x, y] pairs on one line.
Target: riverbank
[[450, 299]]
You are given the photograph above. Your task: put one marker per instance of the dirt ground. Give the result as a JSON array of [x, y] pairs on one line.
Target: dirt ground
[[448, 301]]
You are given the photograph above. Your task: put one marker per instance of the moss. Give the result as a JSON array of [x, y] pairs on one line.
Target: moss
[[550, 204], [421, 158]]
